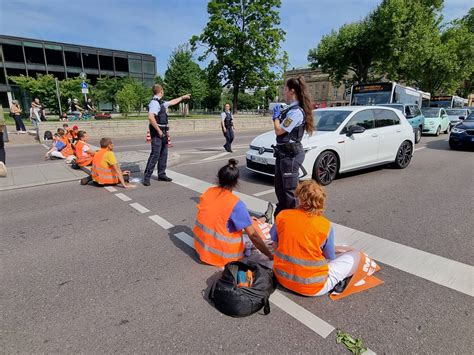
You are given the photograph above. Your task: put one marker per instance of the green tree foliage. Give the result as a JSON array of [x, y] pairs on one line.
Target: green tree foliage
[[43, 87], [212, 99], [245, 40], [71, 89], [184, 76], [105, 89], [128, 98]]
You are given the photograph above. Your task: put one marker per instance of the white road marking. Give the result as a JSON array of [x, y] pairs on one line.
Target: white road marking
[[110, 188], [431, 267], [185, 238], [301, 314], [139, 207], [123, 197], [161, 221], [419, 148], [217, 156], [266, 192], [211, 161]]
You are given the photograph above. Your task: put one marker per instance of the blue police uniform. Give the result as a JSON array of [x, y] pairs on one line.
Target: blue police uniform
[[226, 116], [289, 154], [159, 148]]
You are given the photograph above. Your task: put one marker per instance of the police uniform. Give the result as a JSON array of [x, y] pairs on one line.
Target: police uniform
[[159, 148], [229, 126], [289, 154]]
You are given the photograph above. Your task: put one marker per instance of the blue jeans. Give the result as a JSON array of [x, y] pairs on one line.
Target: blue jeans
[[159, 154]]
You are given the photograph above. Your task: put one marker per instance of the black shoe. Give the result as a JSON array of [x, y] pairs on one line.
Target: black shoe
[[164, 178], [146, 183], [86, 180], [269, 213]]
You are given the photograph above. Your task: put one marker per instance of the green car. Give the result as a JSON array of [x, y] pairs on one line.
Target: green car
[[436, 120]]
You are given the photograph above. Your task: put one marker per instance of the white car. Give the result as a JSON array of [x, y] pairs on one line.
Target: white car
[[345, 139]]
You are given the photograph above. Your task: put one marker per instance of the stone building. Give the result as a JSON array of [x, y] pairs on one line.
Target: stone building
[[321, 89]]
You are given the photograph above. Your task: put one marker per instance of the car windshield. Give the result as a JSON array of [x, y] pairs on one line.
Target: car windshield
[[430, 112], [396, 107], [456, 112], [470, 117], [329, 120]]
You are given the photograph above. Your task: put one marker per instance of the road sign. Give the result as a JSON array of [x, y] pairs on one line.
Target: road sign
[[84, 85], [83, 75], [85, 91]]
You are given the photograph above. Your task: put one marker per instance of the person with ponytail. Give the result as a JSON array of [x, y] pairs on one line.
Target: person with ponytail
[[221, 219], [290, 125]]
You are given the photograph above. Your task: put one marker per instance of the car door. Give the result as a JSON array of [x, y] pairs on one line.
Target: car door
[[416, 113], [390, 132], [360, 149], [444, 120]]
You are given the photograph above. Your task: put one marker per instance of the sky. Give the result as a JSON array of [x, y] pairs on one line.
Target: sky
[[158, 27]]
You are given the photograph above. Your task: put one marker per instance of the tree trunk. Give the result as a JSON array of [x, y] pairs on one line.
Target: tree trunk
[[235, 99]]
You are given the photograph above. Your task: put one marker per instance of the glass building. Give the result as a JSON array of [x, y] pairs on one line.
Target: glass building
[[63, 60]]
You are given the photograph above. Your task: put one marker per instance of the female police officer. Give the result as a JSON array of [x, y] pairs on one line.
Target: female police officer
[[290, 125]]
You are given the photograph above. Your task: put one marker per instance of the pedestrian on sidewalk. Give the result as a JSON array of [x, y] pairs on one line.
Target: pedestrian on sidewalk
[[227, 124], [158, 117], [15, 112], [35, 112], [3, 169]]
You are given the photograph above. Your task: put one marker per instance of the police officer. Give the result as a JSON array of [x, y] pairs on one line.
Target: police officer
[[159, 133], [227, 127], [290, 125]]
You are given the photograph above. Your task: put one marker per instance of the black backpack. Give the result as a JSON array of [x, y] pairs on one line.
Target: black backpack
[[48, 135], [243, 301]]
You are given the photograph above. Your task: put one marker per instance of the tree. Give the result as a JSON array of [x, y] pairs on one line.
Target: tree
[[212, 99], [127, 98], [352, 48], [43, 87], [105, 89], [71, 89], [245, 40], [184, 76]]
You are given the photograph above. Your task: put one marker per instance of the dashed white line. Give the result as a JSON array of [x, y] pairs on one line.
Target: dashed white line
[[123, 197], [185, 238], [161, 221], [217, 156], [266, 192], [211, 161], [110, 188], [139, 208]]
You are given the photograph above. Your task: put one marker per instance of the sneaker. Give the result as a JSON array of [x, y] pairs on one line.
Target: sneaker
[[341, 286], [164, 178], [269, 213], [146, 183], [3, 169], [86, 180]]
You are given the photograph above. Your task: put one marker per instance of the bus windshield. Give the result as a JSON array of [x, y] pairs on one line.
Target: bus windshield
[[371, 98]]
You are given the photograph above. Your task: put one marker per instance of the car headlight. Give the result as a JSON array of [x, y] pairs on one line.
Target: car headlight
[[457, 130]]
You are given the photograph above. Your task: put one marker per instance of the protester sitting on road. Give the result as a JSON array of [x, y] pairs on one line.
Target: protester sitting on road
[[105, 168], [220, 219], [75, 131], [15, 112], [56, 149], [84, 153], [68, 131], [305, 261], [67, 151]]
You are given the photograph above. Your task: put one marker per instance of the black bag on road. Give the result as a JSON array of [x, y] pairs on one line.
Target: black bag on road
[[236, 301]]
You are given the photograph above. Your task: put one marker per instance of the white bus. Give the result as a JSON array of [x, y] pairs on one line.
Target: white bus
[[448, 101], [386, 93]]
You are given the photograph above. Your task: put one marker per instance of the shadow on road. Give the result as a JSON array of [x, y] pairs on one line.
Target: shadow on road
[[437, 145], [180, 244], [254, 178]]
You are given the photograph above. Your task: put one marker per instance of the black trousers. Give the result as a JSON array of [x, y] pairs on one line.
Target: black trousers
[[20, 126], [229, 138], [2, 147], [286, 179], [159, 154]]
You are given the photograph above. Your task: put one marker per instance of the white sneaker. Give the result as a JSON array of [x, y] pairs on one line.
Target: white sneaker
[[3, 169]]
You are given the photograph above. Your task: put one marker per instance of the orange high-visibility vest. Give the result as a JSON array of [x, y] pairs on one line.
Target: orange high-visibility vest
[[299, 263], [67, 150], [101, 172], [82, 159], [212, 240]]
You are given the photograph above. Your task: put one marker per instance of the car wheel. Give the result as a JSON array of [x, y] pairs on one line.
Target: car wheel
[[438, 131], [325, 168], [404, 155], [418, 135]]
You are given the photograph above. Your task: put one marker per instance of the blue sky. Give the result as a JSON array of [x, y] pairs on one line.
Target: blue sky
[[157, 27]]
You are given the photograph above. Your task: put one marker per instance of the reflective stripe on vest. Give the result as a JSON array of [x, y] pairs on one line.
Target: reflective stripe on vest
[[220, 253], [213, 241], [100, 173], [217, 235], [299, 263]]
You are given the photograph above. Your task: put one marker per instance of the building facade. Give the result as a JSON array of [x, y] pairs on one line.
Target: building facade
[[322, 91], [63, 60]]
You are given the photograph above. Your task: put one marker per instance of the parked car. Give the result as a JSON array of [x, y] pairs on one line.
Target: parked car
[[346, 138], [456, 115], [436, 120], [413, 115], [462, 135]]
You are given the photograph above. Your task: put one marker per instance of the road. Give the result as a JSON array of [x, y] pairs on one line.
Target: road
[[85, 270]]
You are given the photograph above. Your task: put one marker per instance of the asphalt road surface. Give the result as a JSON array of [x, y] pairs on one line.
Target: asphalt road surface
[[85, 270]]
